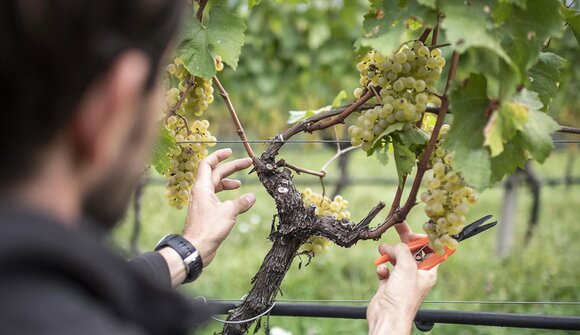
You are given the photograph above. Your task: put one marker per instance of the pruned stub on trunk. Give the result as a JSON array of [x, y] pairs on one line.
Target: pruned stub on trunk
[[295, 221]]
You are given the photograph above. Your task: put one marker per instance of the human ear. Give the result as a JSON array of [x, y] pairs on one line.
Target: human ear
[[107, 112]]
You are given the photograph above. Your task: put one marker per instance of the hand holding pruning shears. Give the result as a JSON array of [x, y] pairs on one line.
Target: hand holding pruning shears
[[419, 245]]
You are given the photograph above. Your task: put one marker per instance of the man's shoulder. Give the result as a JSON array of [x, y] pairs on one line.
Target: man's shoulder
[[71, 274], [50, 305]]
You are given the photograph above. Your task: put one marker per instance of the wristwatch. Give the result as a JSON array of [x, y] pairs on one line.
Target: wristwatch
[[189, 254]]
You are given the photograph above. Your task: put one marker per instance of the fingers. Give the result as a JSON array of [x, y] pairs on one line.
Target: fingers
[[225, 170], [405, 233], [241, 204], [227, 185], [206, 166], [401, 257], [383, 249], [383, 272]]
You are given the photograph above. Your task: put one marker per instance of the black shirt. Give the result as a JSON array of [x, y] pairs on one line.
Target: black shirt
[[56, 279]]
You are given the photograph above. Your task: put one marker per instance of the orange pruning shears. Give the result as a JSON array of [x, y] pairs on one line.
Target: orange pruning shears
[[420, 247]]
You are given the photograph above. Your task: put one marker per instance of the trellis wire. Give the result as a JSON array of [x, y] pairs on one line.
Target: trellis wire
[[268, 141], [547, 181], [424, 320], [441, 302], [268, 310]]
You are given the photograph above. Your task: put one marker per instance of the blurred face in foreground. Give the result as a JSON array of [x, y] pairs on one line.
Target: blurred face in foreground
[[132, 130]]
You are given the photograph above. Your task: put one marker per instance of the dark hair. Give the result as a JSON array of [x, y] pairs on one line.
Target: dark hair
[[51, 50]]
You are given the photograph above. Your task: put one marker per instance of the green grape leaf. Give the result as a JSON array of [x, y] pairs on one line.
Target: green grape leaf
[[390, 23], [521, 3], [511, 117], [296, 116], [226, 34], [465, 138], [413, 136], [572, 18], [293, 1], [512, 157], [521, 35], [404, 158], [493, 134], [428, 3], [382, 152], [252, 3], [223, 36], [536, 135], [501, 12], [339, 98], [194, 50], [161, 149], [537, 22], [390, 128], [544, 77], [468, 25]]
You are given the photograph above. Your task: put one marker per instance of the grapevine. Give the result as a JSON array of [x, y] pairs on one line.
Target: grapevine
[[447, 199], [190, 96], [323, 206], [498, 110], [407, 82]]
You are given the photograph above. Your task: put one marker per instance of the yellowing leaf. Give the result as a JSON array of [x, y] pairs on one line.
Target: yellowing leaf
[[511, 117]]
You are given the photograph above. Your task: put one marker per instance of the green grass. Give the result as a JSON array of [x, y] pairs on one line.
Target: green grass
[[545, 270]]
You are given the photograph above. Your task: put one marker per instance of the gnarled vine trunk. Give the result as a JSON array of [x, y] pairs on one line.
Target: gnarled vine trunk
[[266, 284], [295, 225]]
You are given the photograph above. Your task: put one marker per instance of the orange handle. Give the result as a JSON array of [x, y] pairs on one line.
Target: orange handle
[[435, 259], [413, 246]]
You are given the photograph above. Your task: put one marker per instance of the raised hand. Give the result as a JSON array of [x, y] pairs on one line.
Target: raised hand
[[209, 220]]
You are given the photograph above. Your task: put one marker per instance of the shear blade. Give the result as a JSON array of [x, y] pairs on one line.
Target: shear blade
[[475, 228]]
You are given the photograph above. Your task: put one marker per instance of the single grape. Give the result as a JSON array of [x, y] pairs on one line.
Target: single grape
[[400, 57]]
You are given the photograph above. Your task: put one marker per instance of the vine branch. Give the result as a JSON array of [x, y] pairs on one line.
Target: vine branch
[[239, 129], [299, 169], [398, 195], [202, 4], [425, 34], [338, 154], [182, 95], [396, 214], [569, 130], [340, 117], [423, 165], [435, 36], [302, 126]]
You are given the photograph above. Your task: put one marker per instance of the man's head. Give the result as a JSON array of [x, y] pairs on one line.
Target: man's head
[[79, 94]]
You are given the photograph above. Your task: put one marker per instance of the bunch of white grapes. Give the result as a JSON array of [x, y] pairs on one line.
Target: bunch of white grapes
[[191, 148], [323, 206], [197, 99], [447, 199], [407, 86], [191, 135]]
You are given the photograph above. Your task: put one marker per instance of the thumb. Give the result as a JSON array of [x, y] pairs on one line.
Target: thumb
[[243, 203]]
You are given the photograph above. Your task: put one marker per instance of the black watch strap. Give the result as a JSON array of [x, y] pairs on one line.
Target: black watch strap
[[189, 254]]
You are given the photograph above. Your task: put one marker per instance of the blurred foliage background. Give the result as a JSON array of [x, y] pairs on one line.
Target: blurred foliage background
[[296, 57], [299, 56]]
